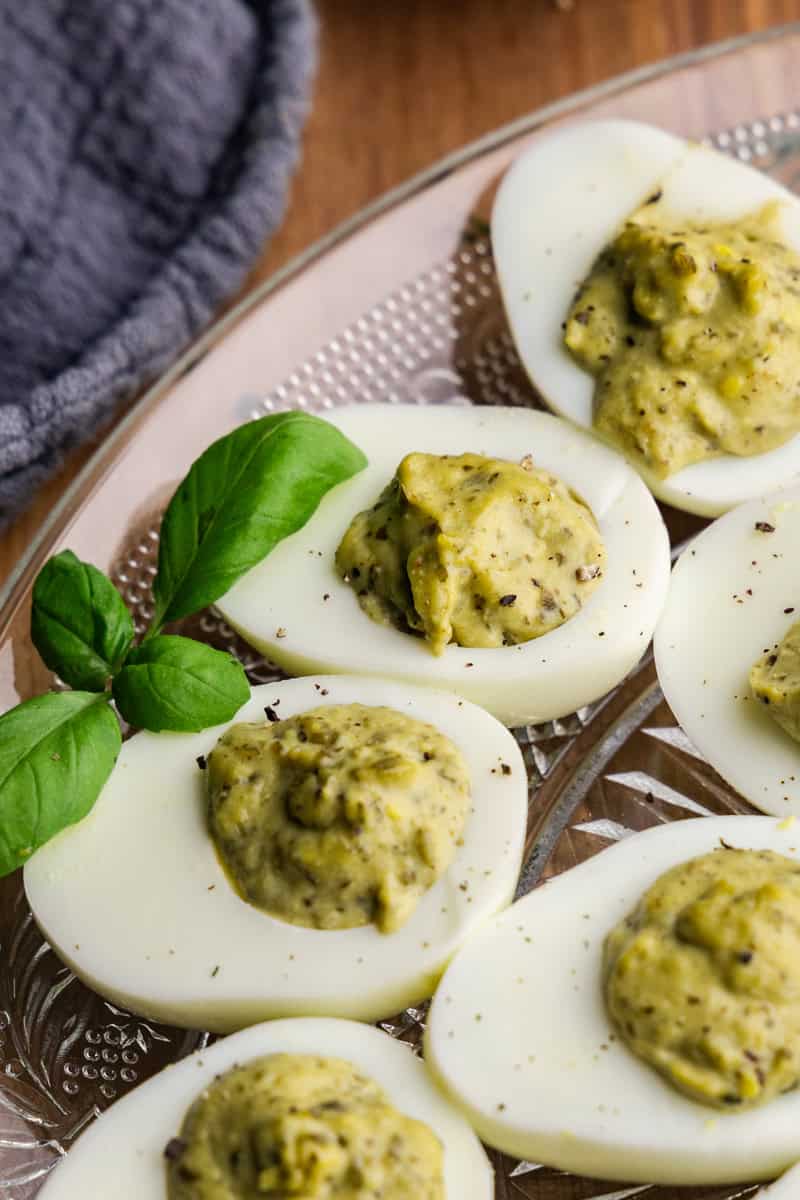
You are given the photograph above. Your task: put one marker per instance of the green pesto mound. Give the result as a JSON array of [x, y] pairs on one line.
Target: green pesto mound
[[298, 1127], [339, 816], [693, 337], [473, 550], [702, 979], [775, 681]]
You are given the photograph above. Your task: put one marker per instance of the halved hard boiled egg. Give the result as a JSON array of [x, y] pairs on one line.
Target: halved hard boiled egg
[[562, 202], [296, 609], [519, 1036], [122, 1153], [135, 900], [734, 594]]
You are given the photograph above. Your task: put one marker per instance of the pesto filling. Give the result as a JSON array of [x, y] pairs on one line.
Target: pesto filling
[[473, 550], [775, 681], [303, 1127], [339, 816], [693, 337], [702, 979]]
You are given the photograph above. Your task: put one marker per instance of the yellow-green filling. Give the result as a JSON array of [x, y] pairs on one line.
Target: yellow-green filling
[[775, 681], [702, 980], [298, 1127], [473, 550], [339, 816], [693, 337]]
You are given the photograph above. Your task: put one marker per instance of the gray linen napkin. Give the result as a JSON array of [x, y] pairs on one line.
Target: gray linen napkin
[[145, 153]]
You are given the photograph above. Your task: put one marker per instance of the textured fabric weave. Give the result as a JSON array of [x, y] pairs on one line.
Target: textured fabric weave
[[145, 153]]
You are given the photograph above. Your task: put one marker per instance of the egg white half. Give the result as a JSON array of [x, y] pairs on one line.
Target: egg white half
[[122, 1153], [135, 900], [734, 593], [294, 607], [560, 204], [519, 1037]]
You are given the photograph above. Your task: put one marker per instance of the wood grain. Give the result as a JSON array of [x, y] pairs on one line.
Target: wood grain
[[400, 85]]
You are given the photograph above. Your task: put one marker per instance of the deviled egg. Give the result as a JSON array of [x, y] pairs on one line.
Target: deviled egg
[[305, 608], [559, 1085], [132, 1150], [136, 899], [733, 597], [560, 208]]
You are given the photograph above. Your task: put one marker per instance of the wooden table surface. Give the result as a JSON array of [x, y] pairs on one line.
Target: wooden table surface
[[400, 85]]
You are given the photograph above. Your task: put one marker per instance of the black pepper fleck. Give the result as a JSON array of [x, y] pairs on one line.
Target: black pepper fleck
[[174, 1149]]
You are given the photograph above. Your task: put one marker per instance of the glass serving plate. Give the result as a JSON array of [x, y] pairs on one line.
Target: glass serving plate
[[399, 305]]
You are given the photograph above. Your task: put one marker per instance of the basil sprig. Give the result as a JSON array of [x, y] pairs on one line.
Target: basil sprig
[[56, 752], [79, 622], [247, 491], [242, 496], [176, 683]]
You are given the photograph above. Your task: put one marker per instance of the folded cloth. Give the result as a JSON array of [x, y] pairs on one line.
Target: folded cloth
[[145, 154]]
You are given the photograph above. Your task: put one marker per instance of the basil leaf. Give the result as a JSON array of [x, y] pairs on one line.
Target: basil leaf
[[56, 752], [79, 622], [176, 683], [247, 491]]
